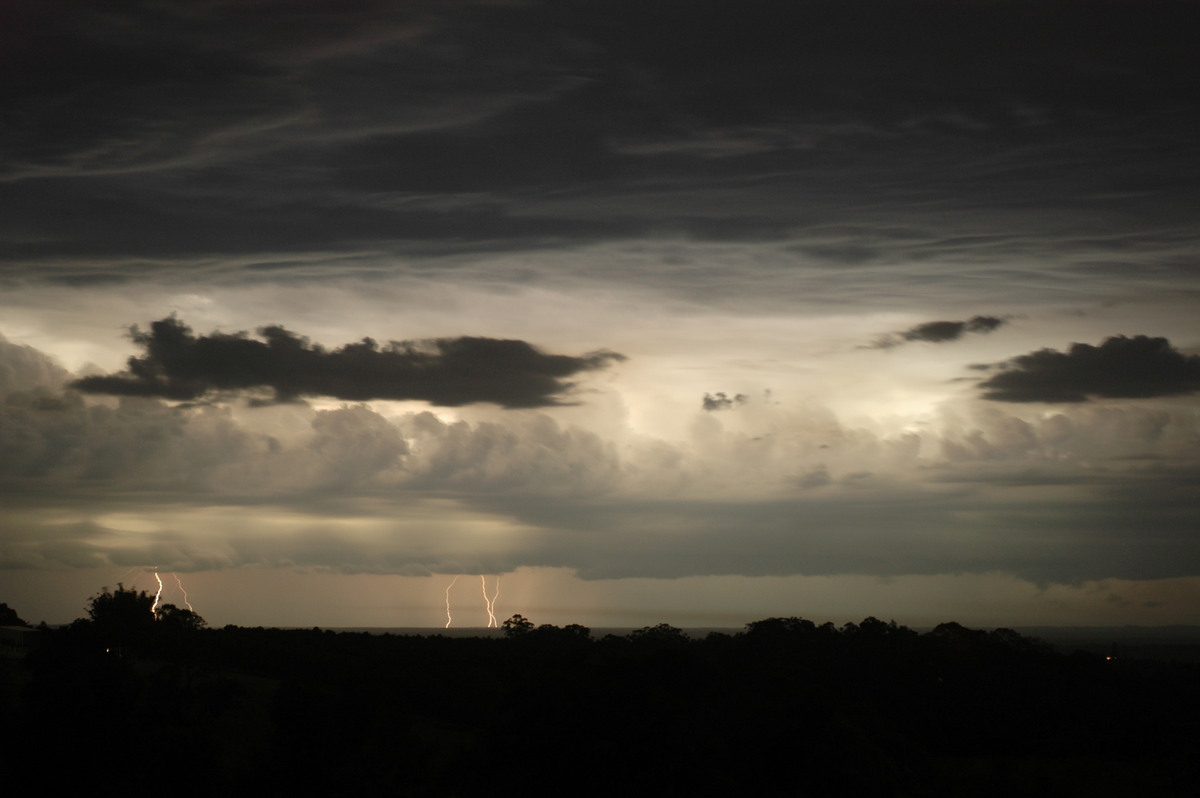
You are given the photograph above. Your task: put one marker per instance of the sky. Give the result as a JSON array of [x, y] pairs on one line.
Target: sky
[[368, 313]]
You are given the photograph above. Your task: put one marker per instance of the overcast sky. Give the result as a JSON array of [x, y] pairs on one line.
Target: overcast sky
[[687, 312]]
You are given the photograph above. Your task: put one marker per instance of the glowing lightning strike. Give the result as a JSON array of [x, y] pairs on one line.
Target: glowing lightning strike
[[490, 602], [158, 595], [179, 582], [449, 620]]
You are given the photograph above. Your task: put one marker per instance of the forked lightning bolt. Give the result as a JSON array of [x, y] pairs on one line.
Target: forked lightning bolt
[[490, 602]]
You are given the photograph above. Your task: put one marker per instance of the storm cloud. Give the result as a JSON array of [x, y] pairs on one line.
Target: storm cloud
[[1140, 367], [449, 372]]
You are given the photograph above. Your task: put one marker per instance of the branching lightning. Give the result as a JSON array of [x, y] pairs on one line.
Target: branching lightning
[[449, 619], [490, 602], [179, 582]]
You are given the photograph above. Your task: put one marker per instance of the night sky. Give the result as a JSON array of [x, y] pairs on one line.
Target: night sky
[[686, 312]]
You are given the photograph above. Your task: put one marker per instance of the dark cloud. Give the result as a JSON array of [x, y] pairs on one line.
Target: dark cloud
[[938, 332], [719, 401], [1120, 368], [444, 371]]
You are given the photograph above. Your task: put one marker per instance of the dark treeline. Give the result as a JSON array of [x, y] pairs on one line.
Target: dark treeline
[[785, 707]]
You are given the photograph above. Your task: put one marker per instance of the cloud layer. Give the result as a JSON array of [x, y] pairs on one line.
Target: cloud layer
[[392, 137], [449, 372], [776, 488]]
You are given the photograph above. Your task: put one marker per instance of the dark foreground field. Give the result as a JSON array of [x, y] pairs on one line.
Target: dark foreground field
[[785, 707]]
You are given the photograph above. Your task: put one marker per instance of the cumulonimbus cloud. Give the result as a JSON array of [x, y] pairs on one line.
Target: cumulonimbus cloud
[[449, 372], [1140, 367], [939, 332]]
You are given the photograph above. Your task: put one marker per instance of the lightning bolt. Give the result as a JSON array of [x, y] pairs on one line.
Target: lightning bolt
[[158, 595], [179, 582], [449, 620], [490, 602]]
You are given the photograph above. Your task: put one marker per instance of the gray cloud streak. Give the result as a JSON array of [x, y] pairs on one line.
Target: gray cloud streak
[[940, 332]]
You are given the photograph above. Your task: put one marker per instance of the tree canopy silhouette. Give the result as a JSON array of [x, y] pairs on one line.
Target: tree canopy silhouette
[[123, 616], [9, 617], [178, 619], [517, 625]]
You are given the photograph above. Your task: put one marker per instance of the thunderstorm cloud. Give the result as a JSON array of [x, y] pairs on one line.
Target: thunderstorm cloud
[[448, 372]]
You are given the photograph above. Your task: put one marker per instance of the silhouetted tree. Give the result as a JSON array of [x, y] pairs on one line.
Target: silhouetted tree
[[517, 625], [578, 630], [773, 627], [661, 634], [177, 619], [9, 617], [955, 634], [122, 617], [571, 633]]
